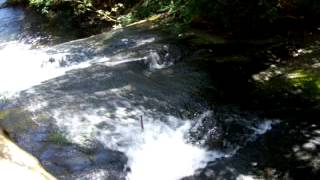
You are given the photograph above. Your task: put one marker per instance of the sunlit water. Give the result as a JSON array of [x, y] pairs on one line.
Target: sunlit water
[[159, 151], [21, 68]]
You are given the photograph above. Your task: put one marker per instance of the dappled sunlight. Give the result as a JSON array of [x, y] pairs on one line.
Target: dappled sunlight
[[308, 151], [247, 177], [296, 74], [274, 156], [301, 52], [268, 74], [299, 83]]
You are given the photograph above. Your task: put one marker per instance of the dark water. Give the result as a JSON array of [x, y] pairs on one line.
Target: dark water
[[10, 23], [26, 25]]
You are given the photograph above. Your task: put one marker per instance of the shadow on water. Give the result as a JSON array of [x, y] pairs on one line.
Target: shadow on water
[[131, 44], [289, 151]]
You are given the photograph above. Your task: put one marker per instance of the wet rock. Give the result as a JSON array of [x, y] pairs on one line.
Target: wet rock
[[68, 161], [104, 157], [16, 163], [67, 157], [97, 174], [226, 130]]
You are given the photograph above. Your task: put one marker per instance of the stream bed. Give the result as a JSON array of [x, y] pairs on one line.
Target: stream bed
[[123, 104]]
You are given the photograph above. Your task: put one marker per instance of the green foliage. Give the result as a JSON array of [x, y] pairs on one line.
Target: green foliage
[[151, 7], [112, 14], [296, 83], [235, 13], [228, 15], [127, 19], [82, 10]]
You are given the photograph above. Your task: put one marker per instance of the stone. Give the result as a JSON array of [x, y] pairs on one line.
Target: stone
[[16, 163]]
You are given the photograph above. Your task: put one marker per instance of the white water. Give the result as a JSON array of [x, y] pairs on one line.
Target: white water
[[159, 152], [166, 155], [21, 67]]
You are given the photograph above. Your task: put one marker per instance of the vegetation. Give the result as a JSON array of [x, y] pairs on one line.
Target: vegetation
[[227, 15], [58, 138]]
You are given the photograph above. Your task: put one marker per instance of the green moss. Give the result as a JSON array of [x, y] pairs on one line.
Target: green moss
[[318, 83], [300, 82], [58, 138], [307, 81], [299, 78], [16, 120], [3, 115]]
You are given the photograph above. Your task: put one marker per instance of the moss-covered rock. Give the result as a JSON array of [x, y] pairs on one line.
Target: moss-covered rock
[[58, 138], [16, 120], [292, 82]]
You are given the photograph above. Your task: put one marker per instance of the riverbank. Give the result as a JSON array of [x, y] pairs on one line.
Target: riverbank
[[277, 75]]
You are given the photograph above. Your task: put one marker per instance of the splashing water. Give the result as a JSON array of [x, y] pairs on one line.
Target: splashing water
[[166, 155], [159, 152]]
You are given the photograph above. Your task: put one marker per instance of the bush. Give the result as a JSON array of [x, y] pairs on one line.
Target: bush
[[228, 15]]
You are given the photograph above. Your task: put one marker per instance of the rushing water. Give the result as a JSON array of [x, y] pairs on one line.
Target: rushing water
[[101, 90]]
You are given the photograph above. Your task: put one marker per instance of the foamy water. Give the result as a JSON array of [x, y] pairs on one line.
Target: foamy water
[[167, 155], [160, 151], [22, 67]]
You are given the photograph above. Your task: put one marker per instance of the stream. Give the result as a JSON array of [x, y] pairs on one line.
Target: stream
[[123, 104]]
